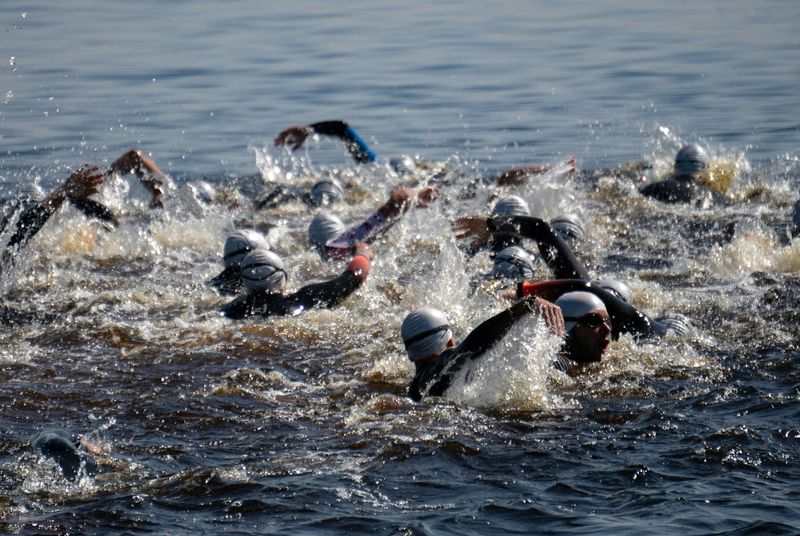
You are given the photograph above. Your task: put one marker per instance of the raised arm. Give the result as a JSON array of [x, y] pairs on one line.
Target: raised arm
[[145, 168], [332, 292], [555, 252], [520, 175], [295, 136]]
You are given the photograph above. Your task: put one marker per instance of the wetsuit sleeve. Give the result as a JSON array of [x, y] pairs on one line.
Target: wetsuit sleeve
[[367, 231], [95, 209], [332, 292], [30, 222], [238, 308], [555, 252], [625, 318], [356, 146], [490, 331]]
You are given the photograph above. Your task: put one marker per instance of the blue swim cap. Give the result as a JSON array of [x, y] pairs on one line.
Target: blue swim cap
[[691, 160], [425, 332], [509, 206], [263, 270], [326, 192], [515, 263], [240, 243]]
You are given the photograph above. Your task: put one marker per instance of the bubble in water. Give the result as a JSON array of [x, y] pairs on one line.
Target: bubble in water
[[12, 62]]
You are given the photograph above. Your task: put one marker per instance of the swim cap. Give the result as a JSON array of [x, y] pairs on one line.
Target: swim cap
[[576, 304], [691, 160], [568, 226], [326, 192], [403, 164], [324, 227], [240, 243], [203, 192], [263, 270], [618, 288], [514, 262], [677, 324], [425, 332], [511, 205]]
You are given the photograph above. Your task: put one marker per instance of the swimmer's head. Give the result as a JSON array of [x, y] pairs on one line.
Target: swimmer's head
[[426, 333], [204, 192], [240, 243], [691, 161], [676, 324], [324, 227], [586, 324], [263, 270], [510, 206], [618, 288], [569, 227], [403, 165], [326, 192], [514, 263]]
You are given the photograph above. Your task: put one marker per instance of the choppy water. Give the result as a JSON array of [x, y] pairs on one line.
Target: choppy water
[[300, 425]]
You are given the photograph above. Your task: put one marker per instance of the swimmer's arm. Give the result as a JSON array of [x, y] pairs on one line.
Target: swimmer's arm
[[332, 292], [145, 168], [556, 253], [472, 227], [294, 137], [519, 175]]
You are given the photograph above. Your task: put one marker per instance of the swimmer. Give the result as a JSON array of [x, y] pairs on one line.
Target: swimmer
[[684, 186], [150, 175], [520, 175], [432, 347], [237, 246], [68, 451], [323, 193], [328, 235], [264, 278]]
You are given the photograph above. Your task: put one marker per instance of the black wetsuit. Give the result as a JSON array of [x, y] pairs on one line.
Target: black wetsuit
[[326, 294], [228, 282], [554, 250], [679, 190], [63, 449], [283, 194], [357, 148], [435, 378]]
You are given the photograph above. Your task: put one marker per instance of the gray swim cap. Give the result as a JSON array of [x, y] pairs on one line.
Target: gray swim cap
[[568, 226], [204, 192], [691, 160], [677, 324], [511, 205], [324, 227], [326, 192], [576, 304], [240, 243], [514, 262], [263, 270], [425, 332], [403, 164], [618, 288]]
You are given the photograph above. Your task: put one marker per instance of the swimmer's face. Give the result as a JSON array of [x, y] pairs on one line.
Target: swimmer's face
[[591, 336]]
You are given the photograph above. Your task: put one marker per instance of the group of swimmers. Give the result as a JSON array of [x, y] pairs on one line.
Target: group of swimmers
[[587, 314]]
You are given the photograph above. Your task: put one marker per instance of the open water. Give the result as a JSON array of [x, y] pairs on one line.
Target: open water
[[300, 425]]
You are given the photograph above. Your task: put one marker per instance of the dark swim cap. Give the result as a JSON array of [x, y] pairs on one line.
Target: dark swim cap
[[691, 160]]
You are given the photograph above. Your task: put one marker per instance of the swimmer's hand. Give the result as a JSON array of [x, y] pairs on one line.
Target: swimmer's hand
[[551, 313], [146, 169], [472, 227], [520, 175], [427, 195], [84, 182], [293, 137], [95, 448]]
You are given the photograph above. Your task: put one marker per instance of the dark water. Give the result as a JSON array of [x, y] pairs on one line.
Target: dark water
[[300, 425]]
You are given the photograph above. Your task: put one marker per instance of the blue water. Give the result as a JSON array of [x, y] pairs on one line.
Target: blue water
[[300, 425]]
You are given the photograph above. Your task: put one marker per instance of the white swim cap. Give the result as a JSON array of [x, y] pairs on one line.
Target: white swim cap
[[677, 324], [691, 160], [263, 270], [618, 288], [326, 192], [324, 227], [240, 243], [511, 205], [576, 304], [203, 192], [514, 262], [403, 164], [425, 332], [568, 226]]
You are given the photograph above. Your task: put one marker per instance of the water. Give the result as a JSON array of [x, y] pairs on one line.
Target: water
[[300, 425]]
